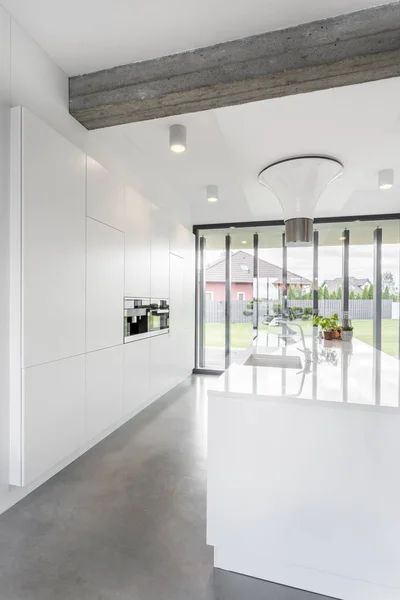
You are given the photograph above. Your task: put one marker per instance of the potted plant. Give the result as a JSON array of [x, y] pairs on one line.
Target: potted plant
[[347, 331], [329, 326]]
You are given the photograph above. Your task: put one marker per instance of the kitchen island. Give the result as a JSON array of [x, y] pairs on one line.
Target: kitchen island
[[303, 469]]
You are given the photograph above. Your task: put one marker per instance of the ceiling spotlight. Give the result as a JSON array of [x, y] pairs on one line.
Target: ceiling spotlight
[[244, 242], [342, 239], [212, 193], [386, 179], [177, 138], [232, 227]]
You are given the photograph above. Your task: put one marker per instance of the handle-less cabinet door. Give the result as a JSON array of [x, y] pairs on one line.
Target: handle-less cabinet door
[[105, 196], [104, 381], [52, 173], [159, 253], [105, 286], [136, 375], [53, 417], [137, 244], [160, 360]]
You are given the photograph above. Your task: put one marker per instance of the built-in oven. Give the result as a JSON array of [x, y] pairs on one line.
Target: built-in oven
[[145, 317], [159, 315]]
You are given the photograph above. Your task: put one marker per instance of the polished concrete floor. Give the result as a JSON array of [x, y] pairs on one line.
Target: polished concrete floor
[[127, 520]]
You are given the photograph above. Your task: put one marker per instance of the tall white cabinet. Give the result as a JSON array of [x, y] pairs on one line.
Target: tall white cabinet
[[160, 231], [48, 247], [80, 241], [138, 231], [52, 203], [105, 286], [105, 200]]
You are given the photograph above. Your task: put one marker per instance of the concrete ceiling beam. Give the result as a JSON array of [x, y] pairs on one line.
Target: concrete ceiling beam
[[344, 50]]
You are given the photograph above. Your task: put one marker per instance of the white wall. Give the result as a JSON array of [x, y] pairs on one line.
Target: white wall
[[29, 78]]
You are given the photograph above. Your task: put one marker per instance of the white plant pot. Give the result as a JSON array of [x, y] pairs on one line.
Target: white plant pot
[[347, 336]]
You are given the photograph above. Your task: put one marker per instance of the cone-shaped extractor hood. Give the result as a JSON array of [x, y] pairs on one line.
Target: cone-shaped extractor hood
[[298, 183]]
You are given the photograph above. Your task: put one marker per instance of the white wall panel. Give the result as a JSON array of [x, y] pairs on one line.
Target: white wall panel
[[41, 86], [53, 230], [137, 244], [105, 286], [104, 389], [159, 253], [105, 196], [54, 414], [136, 375]]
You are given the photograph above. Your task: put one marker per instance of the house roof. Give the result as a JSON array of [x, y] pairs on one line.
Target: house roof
[[356, 285], [242, 270]]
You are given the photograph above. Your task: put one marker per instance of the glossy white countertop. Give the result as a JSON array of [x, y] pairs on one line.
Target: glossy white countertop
[[343, 372]]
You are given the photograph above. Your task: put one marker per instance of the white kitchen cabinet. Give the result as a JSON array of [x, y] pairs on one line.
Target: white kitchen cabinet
[[53, 416], [160, 360], [159, 253], [105, 286], [178, 240], [137, 245], [177, 268], [48, 186], [136, 375], [105, 196], [104, 390]]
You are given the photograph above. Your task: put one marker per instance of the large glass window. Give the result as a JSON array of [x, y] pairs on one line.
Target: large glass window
[[268, 282]]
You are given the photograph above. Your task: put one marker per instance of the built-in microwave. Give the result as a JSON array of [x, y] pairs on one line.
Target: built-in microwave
[[145, 317]]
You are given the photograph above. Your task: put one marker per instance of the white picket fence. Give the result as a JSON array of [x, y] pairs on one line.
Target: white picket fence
[[358, 309]]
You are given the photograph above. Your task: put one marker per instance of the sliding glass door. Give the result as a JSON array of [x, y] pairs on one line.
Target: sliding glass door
[[248, 281]]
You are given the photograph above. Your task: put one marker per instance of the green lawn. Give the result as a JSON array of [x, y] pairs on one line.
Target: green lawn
[[242, 334]]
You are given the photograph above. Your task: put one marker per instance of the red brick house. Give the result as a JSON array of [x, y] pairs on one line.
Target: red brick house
[[242, 277]]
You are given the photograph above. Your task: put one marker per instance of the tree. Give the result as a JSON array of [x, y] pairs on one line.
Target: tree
[[340, 293], [371, 292], [365, 293], [325, 293], [333, 295], [291, 294], [352, 295], [389, 282], [320, 293], [358, 297], [386, 293]]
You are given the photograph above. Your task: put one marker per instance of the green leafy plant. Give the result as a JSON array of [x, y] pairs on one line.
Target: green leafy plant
[[327, 323]]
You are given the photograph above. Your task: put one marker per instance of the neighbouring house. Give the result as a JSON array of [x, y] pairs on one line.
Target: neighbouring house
[[355, 285], [242, 275]]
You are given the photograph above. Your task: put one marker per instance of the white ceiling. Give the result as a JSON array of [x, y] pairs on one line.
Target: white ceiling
[[359, 125], [88, 35]]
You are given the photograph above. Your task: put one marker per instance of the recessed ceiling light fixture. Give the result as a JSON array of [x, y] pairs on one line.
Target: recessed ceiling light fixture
[[244, 242], [177, 138], [386, 179], [212, 193]]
